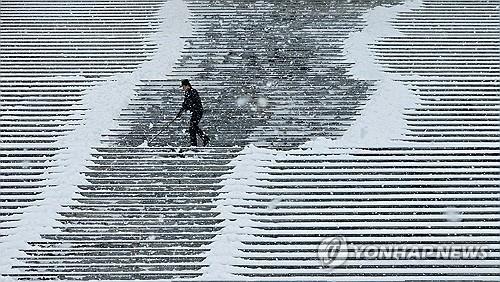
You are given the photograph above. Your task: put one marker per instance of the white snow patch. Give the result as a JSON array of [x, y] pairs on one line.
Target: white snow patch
[[453, 214], [242, 101], [238, 185], [262, 102], [104, 103], [381, 121], [143, 144]]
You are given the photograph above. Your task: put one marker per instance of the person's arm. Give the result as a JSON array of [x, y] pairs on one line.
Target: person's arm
[[183, 109], [184, 106]]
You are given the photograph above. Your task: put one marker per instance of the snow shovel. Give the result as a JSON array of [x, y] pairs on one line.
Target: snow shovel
[[147, 142]]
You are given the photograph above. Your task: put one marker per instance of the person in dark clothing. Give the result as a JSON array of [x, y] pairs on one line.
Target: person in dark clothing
[[192, 103]]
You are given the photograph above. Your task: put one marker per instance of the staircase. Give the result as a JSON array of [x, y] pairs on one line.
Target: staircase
[[272, 74], [416, 196], [51, 52]]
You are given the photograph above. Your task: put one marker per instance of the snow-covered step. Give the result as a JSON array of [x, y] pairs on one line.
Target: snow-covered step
[[279, 216], [47, 67], [459, 38]]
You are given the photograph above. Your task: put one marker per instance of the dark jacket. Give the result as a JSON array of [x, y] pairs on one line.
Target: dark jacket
[[192, 102]]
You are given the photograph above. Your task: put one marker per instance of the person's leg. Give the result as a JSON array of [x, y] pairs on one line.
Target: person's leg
[[194, 129], [200, 132]]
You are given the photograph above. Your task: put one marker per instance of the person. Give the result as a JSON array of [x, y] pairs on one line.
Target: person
[[192, 103]]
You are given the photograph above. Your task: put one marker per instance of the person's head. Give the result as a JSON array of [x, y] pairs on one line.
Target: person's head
[[185, 85]]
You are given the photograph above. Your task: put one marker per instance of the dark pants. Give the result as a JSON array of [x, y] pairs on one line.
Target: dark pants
[[194, 129]]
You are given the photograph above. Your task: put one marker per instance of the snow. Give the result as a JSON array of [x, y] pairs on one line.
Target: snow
[[381, 121], [242, 101], [143, 144], [224, 250], [380, 124], [262, 102], [453, 214], [96, 121]]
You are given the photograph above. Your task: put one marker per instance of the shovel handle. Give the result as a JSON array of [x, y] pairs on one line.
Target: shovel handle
[[163, 129]]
